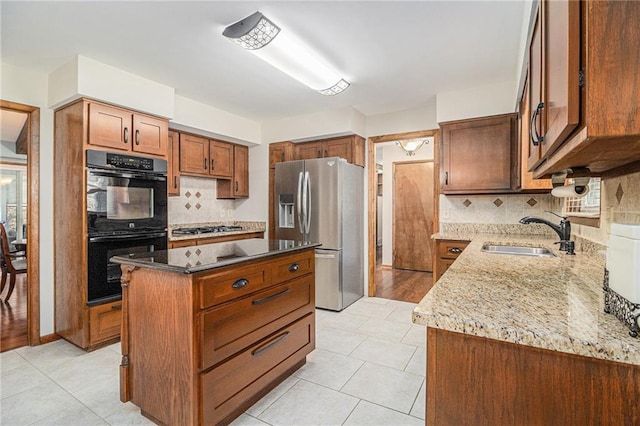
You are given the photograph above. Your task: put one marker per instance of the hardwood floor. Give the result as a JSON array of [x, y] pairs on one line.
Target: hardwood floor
[[14, 316], [402, 284]]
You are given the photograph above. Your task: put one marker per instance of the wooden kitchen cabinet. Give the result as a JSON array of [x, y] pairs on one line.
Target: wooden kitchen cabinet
[[173, 172], [445, 253], [124, 130], [351, 148], [479, 155], [280, 152], [584, 77], [238, 185], [104, 322], [204, 157]]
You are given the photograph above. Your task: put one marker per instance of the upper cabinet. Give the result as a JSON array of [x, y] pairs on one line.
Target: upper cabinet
[[121, 129], [584, 82], [479, 155], [238, 185], [351, 148], [279, 152], [200, 156]]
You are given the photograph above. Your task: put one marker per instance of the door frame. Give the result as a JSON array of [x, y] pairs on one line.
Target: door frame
[[371, 161], [393, 210], [33, 215]]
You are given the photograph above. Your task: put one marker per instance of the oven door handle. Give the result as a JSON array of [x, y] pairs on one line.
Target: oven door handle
[[142, 237], [119, 174]]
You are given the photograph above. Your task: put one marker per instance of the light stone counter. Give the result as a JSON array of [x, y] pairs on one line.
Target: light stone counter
[[248, 227], [550, 303]]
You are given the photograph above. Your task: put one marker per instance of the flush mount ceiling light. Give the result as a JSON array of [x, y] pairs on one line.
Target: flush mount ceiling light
[[410, 146], [282, 50]]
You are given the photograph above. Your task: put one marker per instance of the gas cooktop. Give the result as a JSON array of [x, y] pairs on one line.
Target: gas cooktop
[[206, 230]]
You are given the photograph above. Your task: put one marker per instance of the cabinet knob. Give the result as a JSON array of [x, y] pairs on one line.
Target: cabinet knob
[[294, 267], [242, 282], [455, 250], [137, 137], [206, 164], [535, 137], [213, 164], [326, 153], [126, 135], [446, 178], [175, 182], [236, 186], [319, 154]]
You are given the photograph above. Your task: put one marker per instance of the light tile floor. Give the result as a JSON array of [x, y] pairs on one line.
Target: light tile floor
[[368, 369]]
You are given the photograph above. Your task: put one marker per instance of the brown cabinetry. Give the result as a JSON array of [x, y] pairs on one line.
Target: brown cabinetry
[[351, 148], [121, 129], [445, 253], [279, 152], [479, 155], [236, 333], [238, 185], [584, 76], [173, 172], [200, 156]]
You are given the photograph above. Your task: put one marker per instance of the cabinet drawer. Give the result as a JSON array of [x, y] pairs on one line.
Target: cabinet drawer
[[232, 283], [104, 321], [227, 386], [230, 328], [293, 266], [451, 249]]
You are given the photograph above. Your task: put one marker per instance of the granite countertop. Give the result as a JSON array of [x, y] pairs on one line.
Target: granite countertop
[[193, 259], [248, 227], [552, 303]]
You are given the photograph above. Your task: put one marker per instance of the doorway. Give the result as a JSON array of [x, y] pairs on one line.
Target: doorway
[[20, 161], [385, 279]]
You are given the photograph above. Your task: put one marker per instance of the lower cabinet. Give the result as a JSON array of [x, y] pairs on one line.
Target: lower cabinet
[[199, 349], [104, 322], [445, 253]]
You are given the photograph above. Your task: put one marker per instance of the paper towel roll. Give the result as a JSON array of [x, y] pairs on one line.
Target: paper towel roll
[[572, 190]]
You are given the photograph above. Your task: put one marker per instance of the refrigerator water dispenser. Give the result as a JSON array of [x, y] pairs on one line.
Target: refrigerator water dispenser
[[285, 211]]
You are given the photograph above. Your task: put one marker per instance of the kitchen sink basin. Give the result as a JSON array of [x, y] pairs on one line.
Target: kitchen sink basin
[[517, 250]]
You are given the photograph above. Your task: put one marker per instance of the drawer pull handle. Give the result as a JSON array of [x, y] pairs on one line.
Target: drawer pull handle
[[116, 307], [273, 296], [455, 250], [268, 346], [242, 282], [294, 267], [137, 137], [126, 135]]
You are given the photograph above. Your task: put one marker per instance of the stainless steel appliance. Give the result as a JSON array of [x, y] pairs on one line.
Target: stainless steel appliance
[[126, 213], [322, 200]]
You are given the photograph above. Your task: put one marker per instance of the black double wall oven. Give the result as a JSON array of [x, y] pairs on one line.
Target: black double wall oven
[[126, 213]]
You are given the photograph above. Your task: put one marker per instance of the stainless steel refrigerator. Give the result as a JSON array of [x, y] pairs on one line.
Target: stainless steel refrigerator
[[322, 200]]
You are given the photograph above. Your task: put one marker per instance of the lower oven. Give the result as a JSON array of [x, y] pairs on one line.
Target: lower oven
[[104, 276]]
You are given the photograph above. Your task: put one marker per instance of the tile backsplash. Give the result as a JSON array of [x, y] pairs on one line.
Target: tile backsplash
[[197, 203], [496, 208]]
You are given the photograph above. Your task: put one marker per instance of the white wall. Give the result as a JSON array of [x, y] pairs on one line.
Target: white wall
[[403, 121], [28, 87], [394, 154], [498, 98]]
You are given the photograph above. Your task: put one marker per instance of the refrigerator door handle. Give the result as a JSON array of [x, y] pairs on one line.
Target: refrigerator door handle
[[299, 204], [307, 191]]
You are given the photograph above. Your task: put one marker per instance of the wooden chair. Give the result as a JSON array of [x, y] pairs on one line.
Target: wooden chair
[[11, 263]]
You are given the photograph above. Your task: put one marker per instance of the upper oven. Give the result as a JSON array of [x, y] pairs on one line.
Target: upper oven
[[125, 193]]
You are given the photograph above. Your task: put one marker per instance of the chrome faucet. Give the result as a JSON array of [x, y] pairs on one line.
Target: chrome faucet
[[563, 230]]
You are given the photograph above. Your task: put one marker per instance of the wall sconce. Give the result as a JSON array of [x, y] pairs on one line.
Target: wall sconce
[[410, 146], [282, 50]]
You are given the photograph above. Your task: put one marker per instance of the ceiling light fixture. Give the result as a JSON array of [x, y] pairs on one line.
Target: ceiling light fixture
[[410, 146], [282, 50]]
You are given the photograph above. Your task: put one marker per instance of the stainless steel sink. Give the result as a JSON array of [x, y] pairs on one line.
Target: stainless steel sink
[[518, 250]]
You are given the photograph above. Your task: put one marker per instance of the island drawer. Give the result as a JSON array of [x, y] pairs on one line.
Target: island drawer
[[231, 283], [229, 385], [293, 266], [451, 249], [231, 327]]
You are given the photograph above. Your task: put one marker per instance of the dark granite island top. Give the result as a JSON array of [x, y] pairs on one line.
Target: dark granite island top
[[193, 259]]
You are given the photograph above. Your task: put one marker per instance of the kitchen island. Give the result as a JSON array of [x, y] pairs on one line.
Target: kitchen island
[[525, 340], [208, 330]]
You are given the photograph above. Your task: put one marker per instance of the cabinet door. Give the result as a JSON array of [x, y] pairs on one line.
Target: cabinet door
[[308, 150], [339, 148], [241, 171], [194, 155], [104, 322], [109, 127], [536, 111], [478, 155], [173, 174], [150, 135], [221, 159], [279, 152]]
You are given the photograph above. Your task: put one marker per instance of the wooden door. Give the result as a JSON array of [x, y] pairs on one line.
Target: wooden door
[[527, 182], [413, 213], [536, 123], [194, 155], [241, 171], [173, 173], [109, 127], [338, 148], [308, 150], [150, 135], [221, 159]]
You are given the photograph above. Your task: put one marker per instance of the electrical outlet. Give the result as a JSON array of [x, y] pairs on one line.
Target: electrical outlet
[[223, 213], [230, 213]]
